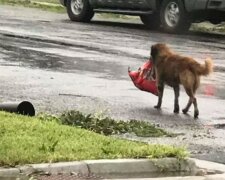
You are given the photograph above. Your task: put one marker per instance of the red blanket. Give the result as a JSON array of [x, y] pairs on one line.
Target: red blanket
[[142, 79]]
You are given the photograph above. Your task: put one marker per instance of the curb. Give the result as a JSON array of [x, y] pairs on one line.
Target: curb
[[108, 168], [210, 166], [209, 177], [140, 167], [125, 168]]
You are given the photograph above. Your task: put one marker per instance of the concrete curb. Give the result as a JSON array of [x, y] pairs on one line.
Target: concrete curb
[[140, 167], [54, 168], [116, 168], [208, 177], [210, 166], [121, 168]]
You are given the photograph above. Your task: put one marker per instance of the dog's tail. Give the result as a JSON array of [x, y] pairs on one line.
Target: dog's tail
[[205, 69]]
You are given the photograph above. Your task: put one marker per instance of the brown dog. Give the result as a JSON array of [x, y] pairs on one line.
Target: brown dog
[[173, 69]]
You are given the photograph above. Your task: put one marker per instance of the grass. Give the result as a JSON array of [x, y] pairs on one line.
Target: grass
[[209, 27], [30, 1], [25, 140], [49, 1], [54, 5]]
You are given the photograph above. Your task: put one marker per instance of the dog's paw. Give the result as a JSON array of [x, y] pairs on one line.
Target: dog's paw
[[185, 111], [157, 107], [196, 113], [176, 108]]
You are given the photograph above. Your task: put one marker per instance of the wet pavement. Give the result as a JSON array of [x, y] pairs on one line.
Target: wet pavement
[[59, 65]]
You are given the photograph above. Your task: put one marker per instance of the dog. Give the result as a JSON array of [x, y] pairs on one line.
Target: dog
[[174, 69]]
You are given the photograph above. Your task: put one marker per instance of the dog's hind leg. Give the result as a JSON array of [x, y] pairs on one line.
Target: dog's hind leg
[[160, 96], [196, 85], [176, 101], [188, 83], [193, 100], [190, 101], [196, 111]]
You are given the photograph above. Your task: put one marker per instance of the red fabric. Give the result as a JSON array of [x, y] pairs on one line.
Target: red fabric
[[140, 81]]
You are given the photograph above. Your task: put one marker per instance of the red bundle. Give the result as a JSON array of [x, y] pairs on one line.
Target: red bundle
[[142, 79]]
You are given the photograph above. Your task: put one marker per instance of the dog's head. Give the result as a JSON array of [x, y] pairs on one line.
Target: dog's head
[[157, 50]]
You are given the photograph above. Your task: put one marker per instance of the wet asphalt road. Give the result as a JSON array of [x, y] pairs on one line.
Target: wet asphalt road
[[59, 65]]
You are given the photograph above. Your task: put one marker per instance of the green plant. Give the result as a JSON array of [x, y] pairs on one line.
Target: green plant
[[109, 126]]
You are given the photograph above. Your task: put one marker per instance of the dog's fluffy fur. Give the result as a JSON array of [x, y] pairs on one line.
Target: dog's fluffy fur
[[173, 69]]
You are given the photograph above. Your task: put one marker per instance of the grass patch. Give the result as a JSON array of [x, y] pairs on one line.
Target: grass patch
[[209, 27], [25, 140], [48, 5]]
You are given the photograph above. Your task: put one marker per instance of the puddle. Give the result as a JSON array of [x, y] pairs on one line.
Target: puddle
[[18, 52]]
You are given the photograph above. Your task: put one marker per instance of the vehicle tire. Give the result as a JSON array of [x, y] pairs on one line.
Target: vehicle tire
[[174, 17], [79, 10], [151, 21]]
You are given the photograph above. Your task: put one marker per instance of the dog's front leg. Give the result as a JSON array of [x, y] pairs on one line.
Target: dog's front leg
[[160, 94]]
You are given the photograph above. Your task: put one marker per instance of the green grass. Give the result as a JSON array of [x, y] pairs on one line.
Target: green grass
[[49, 1], [25, 140], [209, 27], [41, 4], [30, 1]]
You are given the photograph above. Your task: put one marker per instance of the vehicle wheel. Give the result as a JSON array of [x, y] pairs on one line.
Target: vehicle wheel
[[174, 17], [151, 21], [79, 10]]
